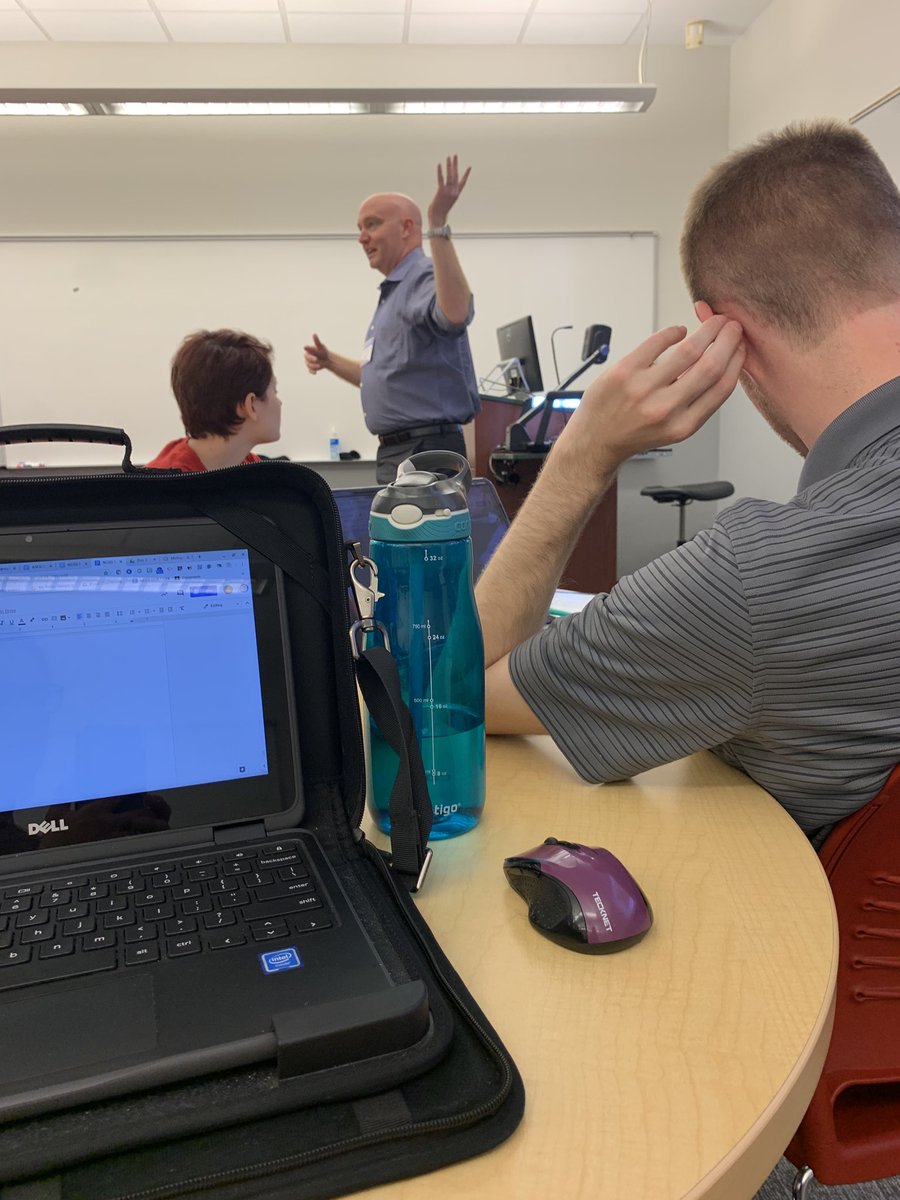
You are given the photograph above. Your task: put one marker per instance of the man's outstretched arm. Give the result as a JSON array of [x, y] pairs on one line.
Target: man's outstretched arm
[[319, 358], [644, 400]]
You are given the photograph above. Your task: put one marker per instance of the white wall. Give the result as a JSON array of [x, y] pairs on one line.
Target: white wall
[[265, 175], [812, 58], [800, 59], [78, 288]]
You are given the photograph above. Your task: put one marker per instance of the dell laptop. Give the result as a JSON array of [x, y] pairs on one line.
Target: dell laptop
[[163, 913]]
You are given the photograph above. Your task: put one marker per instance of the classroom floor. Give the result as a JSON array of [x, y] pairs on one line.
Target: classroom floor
[[778, 1187]]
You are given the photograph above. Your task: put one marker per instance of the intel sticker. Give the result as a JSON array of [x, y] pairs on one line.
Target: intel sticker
[[280, 960]]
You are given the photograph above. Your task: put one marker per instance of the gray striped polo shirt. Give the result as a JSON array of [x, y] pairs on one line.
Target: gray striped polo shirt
[[772, 638]]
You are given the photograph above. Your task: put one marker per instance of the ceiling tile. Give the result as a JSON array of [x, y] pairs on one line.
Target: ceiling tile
[[102, 26], [597, 7], [351, 30], [16, 27], [466, 28], [580, 30], [206, 6], [614, 22], [335, 7], [469, 6], [80, 6], [225, 27]]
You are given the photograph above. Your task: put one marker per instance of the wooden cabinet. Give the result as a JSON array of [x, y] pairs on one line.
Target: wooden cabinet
[[592, 567]]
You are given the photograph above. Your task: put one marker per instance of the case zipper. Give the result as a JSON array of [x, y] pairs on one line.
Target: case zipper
[[410, 1129]]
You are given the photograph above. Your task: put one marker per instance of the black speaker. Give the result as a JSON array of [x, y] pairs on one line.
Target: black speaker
[[596, 338]]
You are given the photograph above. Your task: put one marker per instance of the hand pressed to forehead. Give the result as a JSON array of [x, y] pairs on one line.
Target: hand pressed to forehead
[[660, 393]]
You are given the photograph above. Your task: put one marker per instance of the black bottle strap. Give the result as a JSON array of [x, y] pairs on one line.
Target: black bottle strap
[[410, 804], [263, 535]]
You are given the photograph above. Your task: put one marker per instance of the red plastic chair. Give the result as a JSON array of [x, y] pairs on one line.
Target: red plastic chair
[[851, 1130]]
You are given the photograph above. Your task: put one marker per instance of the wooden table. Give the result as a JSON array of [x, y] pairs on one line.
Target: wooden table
[[679, 1067]]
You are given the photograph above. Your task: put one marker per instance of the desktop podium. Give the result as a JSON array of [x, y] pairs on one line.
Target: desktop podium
[[592, 567]]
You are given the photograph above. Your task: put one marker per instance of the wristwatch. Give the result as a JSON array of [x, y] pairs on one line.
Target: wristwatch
[[441, 231]]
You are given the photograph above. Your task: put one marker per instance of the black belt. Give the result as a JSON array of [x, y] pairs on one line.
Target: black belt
[[404, 435]]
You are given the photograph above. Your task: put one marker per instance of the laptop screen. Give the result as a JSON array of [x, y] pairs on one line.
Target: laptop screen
[[183, 624], [489, 519], [149, 675]]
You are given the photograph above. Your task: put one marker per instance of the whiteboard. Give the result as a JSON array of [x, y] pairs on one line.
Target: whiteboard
[[88, 327]]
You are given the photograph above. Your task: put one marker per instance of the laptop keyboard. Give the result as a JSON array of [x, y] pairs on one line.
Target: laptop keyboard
[[152, 911]]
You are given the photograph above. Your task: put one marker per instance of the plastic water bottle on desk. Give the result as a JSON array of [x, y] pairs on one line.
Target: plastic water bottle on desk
[[420, 540], [334, 447]]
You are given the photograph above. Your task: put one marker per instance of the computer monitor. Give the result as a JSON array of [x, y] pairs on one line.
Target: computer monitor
[[596, 345], [595, 351], [518, 347]]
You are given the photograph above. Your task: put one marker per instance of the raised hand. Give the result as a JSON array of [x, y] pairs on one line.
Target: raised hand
[[316, 356], [450, 185]]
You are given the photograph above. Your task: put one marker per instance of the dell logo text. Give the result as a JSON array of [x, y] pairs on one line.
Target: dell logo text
[[46, 827]]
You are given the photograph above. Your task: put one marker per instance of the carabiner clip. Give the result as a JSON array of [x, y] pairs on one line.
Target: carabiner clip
[[367, 596]]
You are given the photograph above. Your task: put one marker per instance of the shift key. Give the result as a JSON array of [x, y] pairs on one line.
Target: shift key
[[277, 908]]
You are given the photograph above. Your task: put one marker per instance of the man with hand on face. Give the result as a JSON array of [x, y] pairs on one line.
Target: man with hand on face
[[772, 638], [416, 377]]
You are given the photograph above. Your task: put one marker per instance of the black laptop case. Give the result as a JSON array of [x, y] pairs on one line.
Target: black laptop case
[[278, 1128]]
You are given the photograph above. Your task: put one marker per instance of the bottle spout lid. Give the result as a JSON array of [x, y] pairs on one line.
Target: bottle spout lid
[[438, 464], [413, 478], [436, 481]]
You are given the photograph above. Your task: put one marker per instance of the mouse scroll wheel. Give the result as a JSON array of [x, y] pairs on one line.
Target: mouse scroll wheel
[[557, 842]]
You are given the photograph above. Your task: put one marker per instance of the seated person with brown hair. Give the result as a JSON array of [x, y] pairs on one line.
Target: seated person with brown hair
[[227, 394]]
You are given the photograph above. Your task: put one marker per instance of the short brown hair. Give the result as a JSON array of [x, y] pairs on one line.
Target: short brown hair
[[212, 373], [800, 227]]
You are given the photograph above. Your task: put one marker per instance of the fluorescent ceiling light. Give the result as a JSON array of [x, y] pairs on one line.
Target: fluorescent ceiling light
[[237, 108], [333, 101], [464, 107], [45, 109]]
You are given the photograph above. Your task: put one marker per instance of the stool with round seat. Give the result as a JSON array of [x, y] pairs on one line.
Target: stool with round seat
[[683, 493]]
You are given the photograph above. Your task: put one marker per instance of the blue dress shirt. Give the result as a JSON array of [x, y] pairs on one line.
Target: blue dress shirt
[[417, 366]]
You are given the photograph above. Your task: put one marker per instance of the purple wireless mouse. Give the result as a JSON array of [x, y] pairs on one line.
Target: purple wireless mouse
[[580, 896]]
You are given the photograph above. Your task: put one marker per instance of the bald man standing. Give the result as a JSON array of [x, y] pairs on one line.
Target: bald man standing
[[416, 377]]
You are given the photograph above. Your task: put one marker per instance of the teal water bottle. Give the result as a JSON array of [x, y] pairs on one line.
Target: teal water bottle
[[420, 540]]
